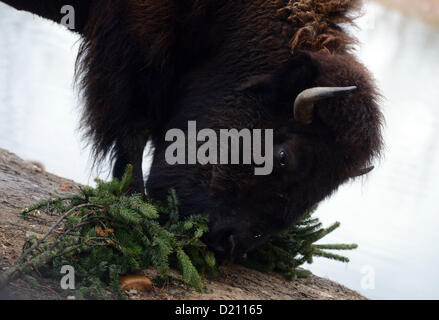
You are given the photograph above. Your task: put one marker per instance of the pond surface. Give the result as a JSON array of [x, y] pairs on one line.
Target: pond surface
[[393, 214]]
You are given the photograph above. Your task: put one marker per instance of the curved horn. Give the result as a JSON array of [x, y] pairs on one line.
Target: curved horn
[[362, 172], [304, 104]]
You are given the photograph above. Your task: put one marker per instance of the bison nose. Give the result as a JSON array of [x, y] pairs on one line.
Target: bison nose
[[222, 243], [231, 245]]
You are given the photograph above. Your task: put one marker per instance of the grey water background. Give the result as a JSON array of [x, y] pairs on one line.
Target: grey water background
[[392, 215]]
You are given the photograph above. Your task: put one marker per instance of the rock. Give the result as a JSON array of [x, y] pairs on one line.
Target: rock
[[135, 283]]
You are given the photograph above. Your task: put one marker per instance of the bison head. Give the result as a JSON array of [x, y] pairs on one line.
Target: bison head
[[326, 125], [295, 75]]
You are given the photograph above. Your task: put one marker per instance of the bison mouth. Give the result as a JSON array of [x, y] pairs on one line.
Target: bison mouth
[[229, 246], [232, 236]]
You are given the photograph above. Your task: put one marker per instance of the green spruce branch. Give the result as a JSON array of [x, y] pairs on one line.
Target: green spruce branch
[[107, 233]]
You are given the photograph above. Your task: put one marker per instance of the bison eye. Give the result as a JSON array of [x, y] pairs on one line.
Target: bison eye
[[258, 236], [283, 158]]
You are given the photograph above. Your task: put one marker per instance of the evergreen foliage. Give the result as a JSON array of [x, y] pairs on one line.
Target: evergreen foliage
[[287, 251], [107, 233]]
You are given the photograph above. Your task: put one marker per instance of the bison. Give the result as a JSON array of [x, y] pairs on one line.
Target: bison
[[148, 66]]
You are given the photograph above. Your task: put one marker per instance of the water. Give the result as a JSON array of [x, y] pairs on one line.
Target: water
[[392, 214]]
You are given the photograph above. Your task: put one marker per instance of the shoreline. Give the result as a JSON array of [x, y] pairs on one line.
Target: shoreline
[[425, 10]]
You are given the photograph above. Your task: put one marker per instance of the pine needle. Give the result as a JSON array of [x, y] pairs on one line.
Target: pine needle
[[108, 233]]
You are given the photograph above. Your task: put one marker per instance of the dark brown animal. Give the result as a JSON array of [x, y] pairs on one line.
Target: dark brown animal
[[147, 66]]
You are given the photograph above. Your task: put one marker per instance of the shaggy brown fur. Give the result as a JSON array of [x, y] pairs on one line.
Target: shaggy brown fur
[[150, 43], [146, 66], [316, 24]]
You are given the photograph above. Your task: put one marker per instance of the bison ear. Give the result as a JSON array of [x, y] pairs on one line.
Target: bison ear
[[295, 74], [260, 82], [71, 13]]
